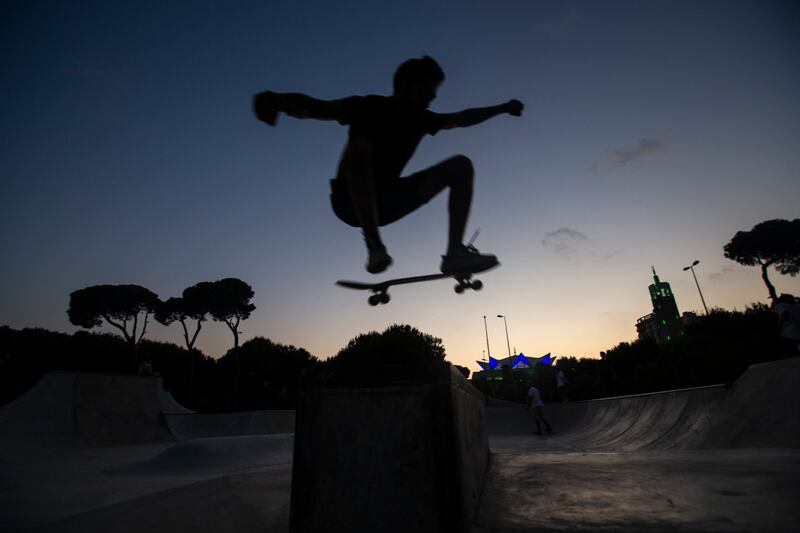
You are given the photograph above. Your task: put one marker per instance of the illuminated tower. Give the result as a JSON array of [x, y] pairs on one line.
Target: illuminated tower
[[666, 316]]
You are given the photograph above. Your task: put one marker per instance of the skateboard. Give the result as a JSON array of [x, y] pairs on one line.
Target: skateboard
[[380, 294]]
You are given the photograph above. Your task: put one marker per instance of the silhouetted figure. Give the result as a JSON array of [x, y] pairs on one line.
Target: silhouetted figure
[[561, 383], [368, 191], [787, 307], [535, 401]]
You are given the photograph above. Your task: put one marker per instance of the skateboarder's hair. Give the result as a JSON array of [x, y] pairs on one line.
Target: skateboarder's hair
[[418, 69]]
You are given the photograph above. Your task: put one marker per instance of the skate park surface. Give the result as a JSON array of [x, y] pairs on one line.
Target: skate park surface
[[85, 453]]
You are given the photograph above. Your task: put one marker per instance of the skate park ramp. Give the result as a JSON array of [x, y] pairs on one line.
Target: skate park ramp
[[717, 458], [188, 425], [74, 409], [112, 433], [65, 409], [759, 410]]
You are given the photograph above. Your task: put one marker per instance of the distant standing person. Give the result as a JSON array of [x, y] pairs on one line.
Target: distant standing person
[[368, 191], [787, 307], [561, 382], [535, 401]]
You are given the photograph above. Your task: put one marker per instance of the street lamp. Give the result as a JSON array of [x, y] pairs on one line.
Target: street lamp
[[505, 323], [691, 267], [486, 329], [489, 353]]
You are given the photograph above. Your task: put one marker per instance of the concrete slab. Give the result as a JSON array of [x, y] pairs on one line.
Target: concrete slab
[[391, 458]]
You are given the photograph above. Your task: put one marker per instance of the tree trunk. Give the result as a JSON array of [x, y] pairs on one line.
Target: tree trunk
[[191, 379], [234, 327], [764, 266]]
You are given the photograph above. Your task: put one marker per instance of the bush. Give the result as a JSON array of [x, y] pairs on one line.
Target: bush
[[401, 353]]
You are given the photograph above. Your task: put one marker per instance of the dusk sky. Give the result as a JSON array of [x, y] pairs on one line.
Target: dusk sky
[[652, 133]]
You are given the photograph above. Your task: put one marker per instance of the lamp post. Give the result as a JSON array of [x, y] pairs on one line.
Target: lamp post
[[489, 353], [505, 323], [486, 329], [691, 267]]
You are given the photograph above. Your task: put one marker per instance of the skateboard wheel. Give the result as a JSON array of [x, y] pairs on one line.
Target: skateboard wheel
[[385, 298], [477, 285], [374, 300], [459, 288]]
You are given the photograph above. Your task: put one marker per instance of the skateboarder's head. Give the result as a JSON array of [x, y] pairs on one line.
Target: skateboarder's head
[[417, 79]]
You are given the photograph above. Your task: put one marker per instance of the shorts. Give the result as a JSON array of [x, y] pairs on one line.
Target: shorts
[[395, 199]]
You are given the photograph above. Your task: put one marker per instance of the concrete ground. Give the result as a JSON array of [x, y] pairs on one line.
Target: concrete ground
[[678, 491], [677, 461], [691, 490]]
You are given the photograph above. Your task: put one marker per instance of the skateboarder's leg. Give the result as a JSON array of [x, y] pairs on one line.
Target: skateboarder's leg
[[456, 174], [361, 187]]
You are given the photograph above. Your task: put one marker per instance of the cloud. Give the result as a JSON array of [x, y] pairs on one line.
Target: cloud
[[608, 255], [566, 233], [570, 243], [563, 241], [722, 274], [614, 158]]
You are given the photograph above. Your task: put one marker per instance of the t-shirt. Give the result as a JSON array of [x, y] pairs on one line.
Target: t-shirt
[[536, 398], [394, 131]]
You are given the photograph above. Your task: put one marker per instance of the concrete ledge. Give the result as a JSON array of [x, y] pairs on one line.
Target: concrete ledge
[[408, 454]]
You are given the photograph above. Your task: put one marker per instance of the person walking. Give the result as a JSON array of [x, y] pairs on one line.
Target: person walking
[[535, 401]]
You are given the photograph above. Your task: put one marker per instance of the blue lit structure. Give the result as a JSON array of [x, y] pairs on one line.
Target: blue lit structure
[[491, 365], [516, 362]]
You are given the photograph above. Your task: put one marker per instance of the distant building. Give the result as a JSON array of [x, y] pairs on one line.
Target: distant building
[[664, 324], [647, 327], [689, 318]]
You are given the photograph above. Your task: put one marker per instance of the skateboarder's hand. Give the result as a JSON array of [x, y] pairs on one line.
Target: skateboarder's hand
[[514, 107], [265, 107]]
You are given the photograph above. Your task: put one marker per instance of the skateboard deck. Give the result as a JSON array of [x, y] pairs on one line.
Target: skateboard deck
[[380, 294]]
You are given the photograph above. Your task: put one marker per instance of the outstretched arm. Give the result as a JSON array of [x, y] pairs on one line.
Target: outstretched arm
[[268, 105], [471, 117]]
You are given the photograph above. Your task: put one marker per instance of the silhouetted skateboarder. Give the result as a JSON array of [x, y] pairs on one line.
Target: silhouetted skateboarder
[[368, 191]]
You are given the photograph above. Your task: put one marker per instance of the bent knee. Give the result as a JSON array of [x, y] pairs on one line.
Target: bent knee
[[462, 165], [462, 172]]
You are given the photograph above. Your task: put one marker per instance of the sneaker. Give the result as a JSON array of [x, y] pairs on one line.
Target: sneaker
[[467, 259], [378, 260]]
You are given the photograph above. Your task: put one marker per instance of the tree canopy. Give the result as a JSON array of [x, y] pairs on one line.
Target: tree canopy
[[398, 344], [770, 243], [195, 304], [119, 305], [399, 354], [229, 302]]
